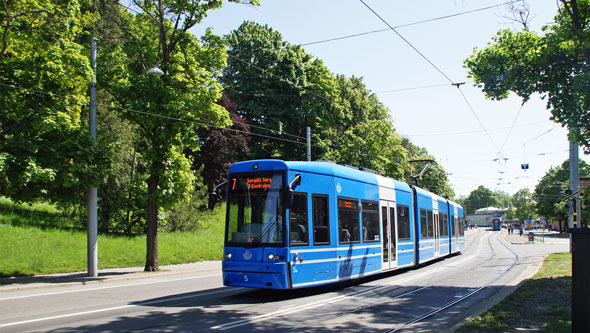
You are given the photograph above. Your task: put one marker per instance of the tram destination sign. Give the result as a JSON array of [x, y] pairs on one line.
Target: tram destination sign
[[261, 183]]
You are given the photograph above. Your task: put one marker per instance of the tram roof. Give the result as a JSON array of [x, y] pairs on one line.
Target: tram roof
[[318, 167]]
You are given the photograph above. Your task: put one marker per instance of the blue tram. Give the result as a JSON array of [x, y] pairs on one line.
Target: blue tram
[[496, 224], [301, 224]]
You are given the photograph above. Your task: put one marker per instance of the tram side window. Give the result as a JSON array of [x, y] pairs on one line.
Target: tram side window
[[444, 224], [348, 221], [453, 231], [423, 223], [321, 221], [403, 222], [298, 233], [430, 224], [370, 221]]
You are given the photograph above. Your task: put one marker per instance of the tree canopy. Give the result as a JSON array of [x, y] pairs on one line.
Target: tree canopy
[[45, 152], [523, 205], [554, 65], [550, 203], [169, 109], [481, 197]]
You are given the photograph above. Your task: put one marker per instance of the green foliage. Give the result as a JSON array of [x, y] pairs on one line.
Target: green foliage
[[44, 75], [554, 65], [480, 198], [550, 203], [167, 110], [523, 204], [281, 88]]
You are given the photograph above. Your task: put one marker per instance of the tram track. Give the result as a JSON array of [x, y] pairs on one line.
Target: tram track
[[448, 305], [403, 292], [417, 319], [408, 293]]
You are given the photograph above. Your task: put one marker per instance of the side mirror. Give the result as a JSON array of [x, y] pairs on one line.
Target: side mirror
[[289, 192], [212, 200], [288, 199]]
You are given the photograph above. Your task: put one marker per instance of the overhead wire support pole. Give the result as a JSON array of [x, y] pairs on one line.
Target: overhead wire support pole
[[574, 180], [308, 144], [92, 235]]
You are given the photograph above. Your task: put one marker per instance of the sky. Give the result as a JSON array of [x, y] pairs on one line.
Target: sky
[[465, 137]]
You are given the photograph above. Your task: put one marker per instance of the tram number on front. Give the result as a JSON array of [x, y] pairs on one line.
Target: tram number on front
[[245, 278], [294, 269]]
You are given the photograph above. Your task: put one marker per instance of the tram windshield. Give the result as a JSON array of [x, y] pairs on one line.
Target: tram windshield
[[255, 210]]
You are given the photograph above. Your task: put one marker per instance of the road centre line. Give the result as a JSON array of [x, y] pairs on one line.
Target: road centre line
[[316, 304], [139, 304], [107, 287]]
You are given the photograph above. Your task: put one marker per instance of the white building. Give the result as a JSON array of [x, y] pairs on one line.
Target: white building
[[483, 216]]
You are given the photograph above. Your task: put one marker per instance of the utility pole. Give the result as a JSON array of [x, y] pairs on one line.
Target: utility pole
[[580, 248], [92, 235], [575, 218], [308, 144]]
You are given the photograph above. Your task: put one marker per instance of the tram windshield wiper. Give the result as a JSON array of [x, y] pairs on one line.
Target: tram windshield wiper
[[265, 232]]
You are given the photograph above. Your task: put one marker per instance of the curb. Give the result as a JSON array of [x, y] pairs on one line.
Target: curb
[[12, 284]]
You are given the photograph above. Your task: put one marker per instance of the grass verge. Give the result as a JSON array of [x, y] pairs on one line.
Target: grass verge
[[28, 249], [541, 303]]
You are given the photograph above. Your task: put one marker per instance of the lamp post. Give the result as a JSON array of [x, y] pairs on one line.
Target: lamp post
[[155, 71]]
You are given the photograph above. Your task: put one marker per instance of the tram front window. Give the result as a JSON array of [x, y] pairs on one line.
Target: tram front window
[[255, 210]]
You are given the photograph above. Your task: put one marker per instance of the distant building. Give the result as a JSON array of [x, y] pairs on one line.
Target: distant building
[[483, 216]]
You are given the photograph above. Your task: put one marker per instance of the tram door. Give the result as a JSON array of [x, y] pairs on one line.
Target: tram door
[[388, 219], [436, 234]]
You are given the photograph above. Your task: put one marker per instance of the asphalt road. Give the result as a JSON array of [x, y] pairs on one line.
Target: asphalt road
[[435, 297]]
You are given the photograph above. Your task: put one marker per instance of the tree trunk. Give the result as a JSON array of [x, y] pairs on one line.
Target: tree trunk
[[151, 263]]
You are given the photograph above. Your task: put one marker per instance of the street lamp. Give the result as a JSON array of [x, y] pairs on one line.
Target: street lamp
[[155, 71]]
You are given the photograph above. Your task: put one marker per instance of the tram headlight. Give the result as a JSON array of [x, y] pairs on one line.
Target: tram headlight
[[272, 256], [228, 255]]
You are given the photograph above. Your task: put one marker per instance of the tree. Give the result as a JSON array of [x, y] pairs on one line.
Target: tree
[[220, 148], [280, 88], [169, 109], [480, 198], [554, 65], [523, 204], [359, 131], [504, 199], [45, 152], [550, 202], [266, 79]]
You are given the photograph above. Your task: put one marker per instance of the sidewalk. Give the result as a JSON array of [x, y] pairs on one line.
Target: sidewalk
[[515, 238], [104, 275], [540, 236]]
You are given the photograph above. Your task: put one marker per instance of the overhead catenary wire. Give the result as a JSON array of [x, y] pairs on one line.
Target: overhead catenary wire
[[457, 84], [478, 120], [407, 42], [407, 24], [512, 127]]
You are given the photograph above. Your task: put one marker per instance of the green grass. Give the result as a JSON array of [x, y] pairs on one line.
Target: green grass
[[541, 303], [31, 244]]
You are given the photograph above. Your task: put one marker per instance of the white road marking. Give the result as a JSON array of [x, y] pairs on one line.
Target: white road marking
[[300, 308], [139, 304]]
